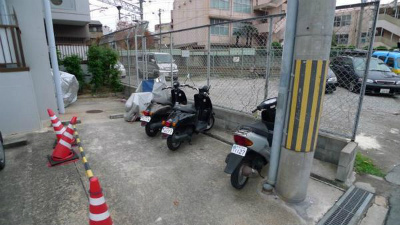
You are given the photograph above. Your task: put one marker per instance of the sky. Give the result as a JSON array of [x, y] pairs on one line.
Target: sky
[[108, 15]]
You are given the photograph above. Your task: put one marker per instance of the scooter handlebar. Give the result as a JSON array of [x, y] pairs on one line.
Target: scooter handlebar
[[254, 111]]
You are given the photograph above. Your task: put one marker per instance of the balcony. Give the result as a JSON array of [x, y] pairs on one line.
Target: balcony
[[263, 5], [389, 23], [11, 52]]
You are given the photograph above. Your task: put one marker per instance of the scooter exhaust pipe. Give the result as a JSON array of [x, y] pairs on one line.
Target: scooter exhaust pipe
[[247, 171], [181, 137], [156, 125]]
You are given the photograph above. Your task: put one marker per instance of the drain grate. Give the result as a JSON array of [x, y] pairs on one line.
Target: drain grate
[[349, 209], [94, 111]]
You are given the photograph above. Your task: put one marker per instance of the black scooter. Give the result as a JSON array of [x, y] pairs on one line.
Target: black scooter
[[157, 112], [186, 120]]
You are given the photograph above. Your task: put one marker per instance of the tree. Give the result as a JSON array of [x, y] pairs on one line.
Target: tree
[[249, 30], [238, 34]]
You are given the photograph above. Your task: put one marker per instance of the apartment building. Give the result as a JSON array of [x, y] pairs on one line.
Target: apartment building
[[71, 20], [388, 26], [165, 39], [26, 82], [192, 13], [346, 26]]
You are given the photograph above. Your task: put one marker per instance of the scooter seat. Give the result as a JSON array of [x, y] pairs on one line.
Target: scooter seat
[[185, 108], [258, 128]]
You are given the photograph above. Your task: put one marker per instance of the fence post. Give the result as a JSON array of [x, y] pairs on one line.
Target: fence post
[[209, 56], [144, 58], [136, 60], [364, 83], [143, 53], [172, 59], [241, 66], [268, 64], [129, 62]]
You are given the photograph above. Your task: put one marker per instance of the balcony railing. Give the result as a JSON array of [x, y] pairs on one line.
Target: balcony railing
[[11, 51]]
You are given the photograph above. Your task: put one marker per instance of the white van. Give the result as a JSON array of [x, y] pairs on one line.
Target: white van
[[158, 64]]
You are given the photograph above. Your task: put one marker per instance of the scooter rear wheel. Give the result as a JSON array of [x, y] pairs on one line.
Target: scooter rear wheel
[[210, 123], [173, 145], [150, 132], [238, 181]]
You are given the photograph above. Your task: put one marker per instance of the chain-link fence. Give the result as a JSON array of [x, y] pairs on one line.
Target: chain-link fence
[[241, 60], [353, 32]]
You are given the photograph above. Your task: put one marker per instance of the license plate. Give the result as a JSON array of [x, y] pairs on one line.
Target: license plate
[[167, 130], [239, 150], [385, 91], [145, 118]]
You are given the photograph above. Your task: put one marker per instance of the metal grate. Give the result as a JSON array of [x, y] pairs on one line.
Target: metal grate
[[349, 208], [94, 111]]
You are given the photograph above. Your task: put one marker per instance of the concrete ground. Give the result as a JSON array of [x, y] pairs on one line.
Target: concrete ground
[[143, 181], [379, 127]]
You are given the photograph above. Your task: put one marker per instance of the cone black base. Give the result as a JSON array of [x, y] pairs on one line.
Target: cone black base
[[55, 163]]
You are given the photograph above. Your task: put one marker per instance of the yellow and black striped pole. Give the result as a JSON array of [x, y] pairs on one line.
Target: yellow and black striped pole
[[313, 38], [89, 172], [305, 105]]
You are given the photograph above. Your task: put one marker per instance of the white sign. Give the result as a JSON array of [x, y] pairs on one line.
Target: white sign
[[236, 59], [185, 53]]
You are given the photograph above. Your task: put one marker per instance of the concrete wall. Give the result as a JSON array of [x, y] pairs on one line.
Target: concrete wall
[[27, 95], [19, 111]]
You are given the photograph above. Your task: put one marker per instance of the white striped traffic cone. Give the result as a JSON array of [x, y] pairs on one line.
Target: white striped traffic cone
[[98, 210], [63, 151], [57, 125]]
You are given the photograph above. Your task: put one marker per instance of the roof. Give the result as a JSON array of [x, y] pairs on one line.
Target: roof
[[95, 22], [387, 53]]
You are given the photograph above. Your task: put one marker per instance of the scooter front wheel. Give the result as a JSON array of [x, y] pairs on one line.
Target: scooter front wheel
[[173, 145], [238, 181], [150, 132]]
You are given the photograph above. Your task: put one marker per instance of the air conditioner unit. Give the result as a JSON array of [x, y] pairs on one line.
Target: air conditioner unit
[[63, 4]]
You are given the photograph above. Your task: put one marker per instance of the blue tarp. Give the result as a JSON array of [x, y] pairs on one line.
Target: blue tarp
[[147, 85]]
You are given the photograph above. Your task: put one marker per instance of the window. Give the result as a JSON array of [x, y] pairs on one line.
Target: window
[[343, 20], [242, 6], [364, 38], [390, 62], [342, 39], [383, 58], [237, 27], [222, 29], [220, 4]]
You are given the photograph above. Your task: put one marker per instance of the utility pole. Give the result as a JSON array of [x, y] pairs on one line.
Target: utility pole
[[141, 9], [360, 23], [313, 36], [159, 24], [119, 11]]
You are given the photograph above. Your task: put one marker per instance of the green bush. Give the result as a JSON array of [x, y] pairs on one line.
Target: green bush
[[382, 48], [276, 45], [72, 65], [101, 63]]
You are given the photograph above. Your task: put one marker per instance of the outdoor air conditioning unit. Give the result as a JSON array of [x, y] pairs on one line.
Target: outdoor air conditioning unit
[[63, 4]]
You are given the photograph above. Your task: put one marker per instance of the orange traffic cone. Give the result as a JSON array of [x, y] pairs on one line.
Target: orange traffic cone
[[57, 125], [98, 210], [63, 151]]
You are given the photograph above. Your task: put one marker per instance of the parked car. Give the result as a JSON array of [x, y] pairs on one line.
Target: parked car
[[350, 72], [157, 64], [331, 82], [392, 59], [121, 68], [2, 154]]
